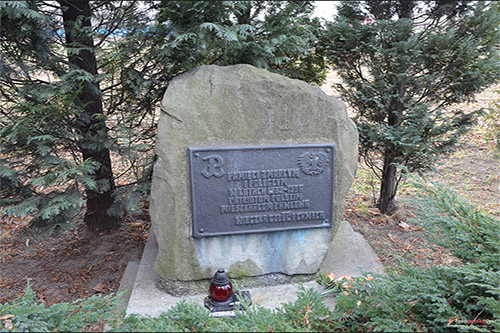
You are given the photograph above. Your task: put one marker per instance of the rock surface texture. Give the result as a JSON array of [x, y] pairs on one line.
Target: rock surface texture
[[212, 106]]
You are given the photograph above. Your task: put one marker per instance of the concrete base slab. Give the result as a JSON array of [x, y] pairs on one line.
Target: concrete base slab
[[127, 283], [350, 254]]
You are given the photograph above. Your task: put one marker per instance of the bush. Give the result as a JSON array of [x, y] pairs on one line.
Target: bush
[[183, 317], [307, 314], [27, 314], [455, 224], [435, 299], [416, 299]]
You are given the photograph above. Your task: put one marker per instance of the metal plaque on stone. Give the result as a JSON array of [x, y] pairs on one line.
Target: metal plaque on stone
[[237, 190]]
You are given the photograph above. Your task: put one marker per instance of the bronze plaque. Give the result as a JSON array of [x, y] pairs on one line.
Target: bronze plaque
[[236, 190]]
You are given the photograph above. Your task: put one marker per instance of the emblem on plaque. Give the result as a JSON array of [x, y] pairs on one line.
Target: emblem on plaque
[[214, 167], [313, 164]]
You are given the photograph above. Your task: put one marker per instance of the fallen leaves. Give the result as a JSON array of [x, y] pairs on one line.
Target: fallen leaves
[[7, 321], [307, 314], [8, 252], [391, 237], [405, 226], [65, 267], [452, 320], [7, 316]]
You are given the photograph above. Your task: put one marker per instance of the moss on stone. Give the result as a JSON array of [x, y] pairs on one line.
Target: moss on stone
[[244, 268]]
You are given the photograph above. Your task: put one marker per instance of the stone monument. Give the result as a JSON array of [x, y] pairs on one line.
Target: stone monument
[[252, 172]]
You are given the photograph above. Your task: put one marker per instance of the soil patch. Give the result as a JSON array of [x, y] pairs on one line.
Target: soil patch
[[68, 264]]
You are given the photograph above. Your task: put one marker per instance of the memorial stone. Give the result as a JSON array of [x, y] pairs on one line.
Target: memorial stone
[[252, 172]]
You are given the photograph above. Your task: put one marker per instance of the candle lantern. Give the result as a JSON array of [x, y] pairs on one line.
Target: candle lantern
[[221, 296]]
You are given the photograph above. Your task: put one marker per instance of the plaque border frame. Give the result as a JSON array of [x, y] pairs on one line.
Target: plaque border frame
[[199, 235]]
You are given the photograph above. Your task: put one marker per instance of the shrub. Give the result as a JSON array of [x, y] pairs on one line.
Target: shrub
[[436, 299], [416, 299], [183, 317], [27, 314], [452, 222], [307, 313]]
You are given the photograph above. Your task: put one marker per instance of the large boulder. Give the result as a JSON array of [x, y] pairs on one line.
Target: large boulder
[[212, 106]]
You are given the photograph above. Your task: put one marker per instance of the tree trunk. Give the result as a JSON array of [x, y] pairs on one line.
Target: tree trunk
[[388, 188], [389, 185], [92, 129], [405, 8]]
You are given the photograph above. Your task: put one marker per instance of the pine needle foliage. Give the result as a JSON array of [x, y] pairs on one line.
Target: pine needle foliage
[[412, 299], [440, 298], [452, 222], [49, 136], [404, 66], [37, 137], [27, 314], [278, 36]]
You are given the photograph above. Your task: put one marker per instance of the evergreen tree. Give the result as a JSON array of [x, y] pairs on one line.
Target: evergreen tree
[[402, 64], [91, 125], [53, 136], [82, 80]]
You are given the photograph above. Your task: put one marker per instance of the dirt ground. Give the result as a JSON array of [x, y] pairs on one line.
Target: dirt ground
[[473, 172], [75, 263], [68, 264]]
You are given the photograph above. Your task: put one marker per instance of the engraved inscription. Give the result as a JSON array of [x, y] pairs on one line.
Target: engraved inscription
[[280, 217], [261, 189]]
